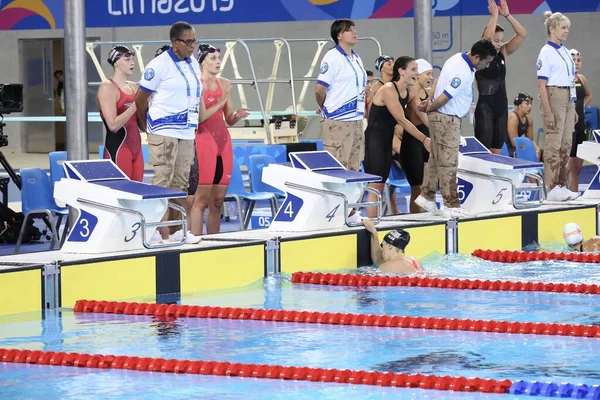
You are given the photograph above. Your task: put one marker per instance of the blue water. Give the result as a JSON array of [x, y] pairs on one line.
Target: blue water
[[486, 355]]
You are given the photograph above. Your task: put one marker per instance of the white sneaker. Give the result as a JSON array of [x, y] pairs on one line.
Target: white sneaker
[[427, 205], [455, 212], [572, 195], [355, 218], [558, 193], [190, 238], [156, 238]]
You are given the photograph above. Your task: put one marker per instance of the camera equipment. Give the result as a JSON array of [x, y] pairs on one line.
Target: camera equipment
[[11, 100]]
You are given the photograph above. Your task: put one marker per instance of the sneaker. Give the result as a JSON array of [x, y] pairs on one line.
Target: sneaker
[[156, 238], [427, 205], [458, 212], [355, 218], [558, 193], [572, 195], [190, 238]]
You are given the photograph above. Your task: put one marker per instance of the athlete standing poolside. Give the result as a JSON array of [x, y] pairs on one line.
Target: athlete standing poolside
[[213, 143], [116, 102]]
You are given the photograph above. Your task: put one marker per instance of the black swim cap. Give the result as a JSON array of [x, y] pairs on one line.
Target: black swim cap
[[397, 238], [521, 97], [382, 60], [204, 49], [161, 50], [117, 52]]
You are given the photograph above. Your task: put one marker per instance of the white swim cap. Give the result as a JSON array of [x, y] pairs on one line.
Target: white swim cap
[[572, 233], [423, 65]]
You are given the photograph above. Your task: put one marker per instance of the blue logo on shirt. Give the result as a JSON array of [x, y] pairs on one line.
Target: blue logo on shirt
[[149, 74], [539, 64], [455, 83], [324, 67]]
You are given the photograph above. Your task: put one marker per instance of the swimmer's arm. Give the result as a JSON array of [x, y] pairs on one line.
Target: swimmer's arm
[[141, 104], [207, 113], [588, 93], [107, 100], [376, 252], [231, 116], [515, 42], [513, 128], [414, 106], [390, 98]]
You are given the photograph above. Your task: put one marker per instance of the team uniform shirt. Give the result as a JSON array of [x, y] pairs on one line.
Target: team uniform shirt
[[456, 82], [555, 65], [345, 78], [175, 88]]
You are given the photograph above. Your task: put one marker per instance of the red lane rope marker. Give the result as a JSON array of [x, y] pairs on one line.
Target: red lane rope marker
[[526, 256], [265, 371], [440, 283], [315, 317]]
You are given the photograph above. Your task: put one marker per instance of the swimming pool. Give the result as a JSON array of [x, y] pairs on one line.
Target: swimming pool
[[401, 350]]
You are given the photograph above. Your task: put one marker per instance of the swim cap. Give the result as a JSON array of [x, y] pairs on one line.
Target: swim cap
[[382, 60], [521, 97], [423, 65], [161, 50], [117, 52], [572, 233], [575, 52], [397, 238], [204, 49]]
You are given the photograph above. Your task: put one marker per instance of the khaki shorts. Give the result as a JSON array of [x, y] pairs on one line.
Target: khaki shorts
[[171, 160], [345, 140]]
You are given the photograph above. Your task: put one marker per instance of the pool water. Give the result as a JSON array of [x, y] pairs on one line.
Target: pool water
[[454, 353]]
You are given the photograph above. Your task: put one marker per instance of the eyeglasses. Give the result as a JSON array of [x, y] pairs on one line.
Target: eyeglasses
[[189, 42]]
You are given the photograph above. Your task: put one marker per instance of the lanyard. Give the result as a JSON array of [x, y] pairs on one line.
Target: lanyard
[[187, 84], [572, 73], [355, 73]]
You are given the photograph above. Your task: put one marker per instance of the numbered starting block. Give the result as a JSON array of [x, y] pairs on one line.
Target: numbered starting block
[[590, 152], [114, 212], [490, 182], [320, 192]]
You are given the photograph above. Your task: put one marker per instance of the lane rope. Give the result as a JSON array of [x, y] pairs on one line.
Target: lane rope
[[316, 317]]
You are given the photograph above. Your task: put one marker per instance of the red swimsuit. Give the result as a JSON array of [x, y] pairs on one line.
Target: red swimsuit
[[124, 146], [213, 144]]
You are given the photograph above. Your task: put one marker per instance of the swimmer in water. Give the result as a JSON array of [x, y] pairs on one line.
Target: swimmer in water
[[574, 237], [389, 255]]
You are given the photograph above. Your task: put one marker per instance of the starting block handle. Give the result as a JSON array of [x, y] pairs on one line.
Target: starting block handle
[[347, 206], [144, 224], [517, 205]]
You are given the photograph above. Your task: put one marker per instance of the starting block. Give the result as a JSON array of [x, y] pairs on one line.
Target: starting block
[[114, 212], [490, 182], [320, 192], [590, 152]]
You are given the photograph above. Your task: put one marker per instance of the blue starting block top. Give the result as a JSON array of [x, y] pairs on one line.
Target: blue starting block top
[[323, 163], [515, 163], [106, 173], [473, 146]]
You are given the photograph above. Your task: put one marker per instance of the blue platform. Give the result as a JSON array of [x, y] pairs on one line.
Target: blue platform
[[323, 163]]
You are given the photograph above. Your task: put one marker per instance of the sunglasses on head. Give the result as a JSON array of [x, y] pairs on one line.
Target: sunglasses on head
[[188, 42]]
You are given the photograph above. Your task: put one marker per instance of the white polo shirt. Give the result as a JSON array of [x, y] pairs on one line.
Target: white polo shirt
[[555, 65], [456, 82], [345, 78], [170, 79]]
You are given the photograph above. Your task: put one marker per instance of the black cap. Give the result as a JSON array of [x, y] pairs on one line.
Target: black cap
[[204, 49], [117, 52], [382, 60], [398, 238], [521, 97], [161, 50]]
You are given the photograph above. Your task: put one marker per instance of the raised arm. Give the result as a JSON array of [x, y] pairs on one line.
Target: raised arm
[[520, 32], [490, 29], [376, 252]]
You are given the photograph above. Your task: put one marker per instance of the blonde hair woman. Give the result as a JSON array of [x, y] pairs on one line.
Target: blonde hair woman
[[556, 84]]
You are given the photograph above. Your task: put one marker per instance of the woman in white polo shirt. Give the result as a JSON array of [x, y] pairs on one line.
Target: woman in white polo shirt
[[556, 84]]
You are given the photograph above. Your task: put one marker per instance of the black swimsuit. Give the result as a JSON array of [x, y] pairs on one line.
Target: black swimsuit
[[414, 155], [379, 137], [491, 113], [521, 131], [579, 134]]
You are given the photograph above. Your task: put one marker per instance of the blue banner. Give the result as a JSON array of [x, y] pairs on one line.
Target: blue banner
[[48, 14]]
